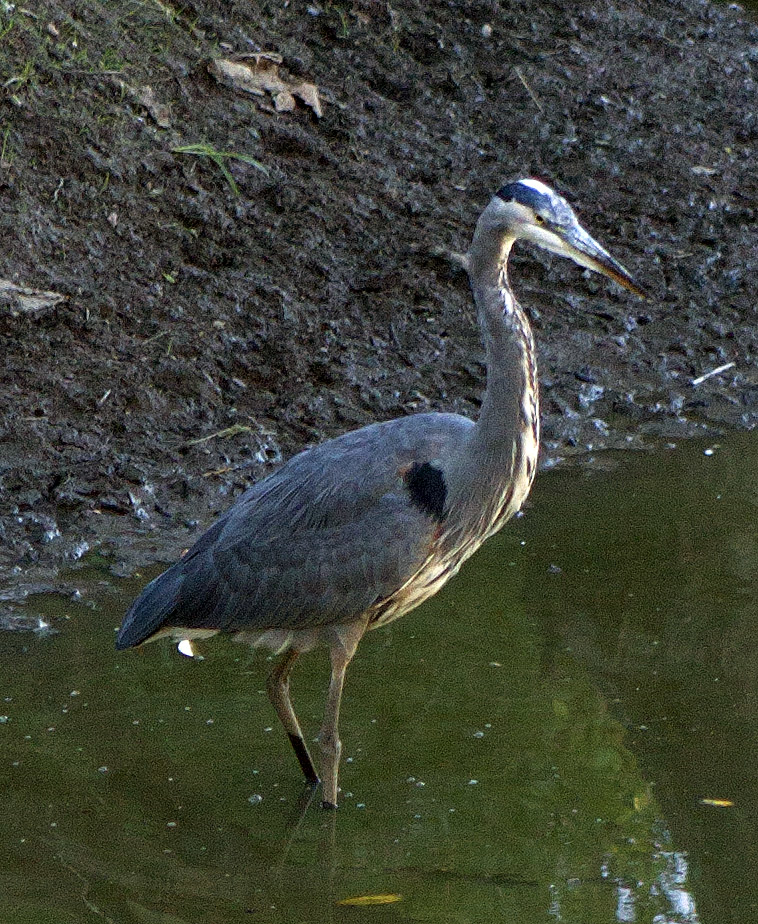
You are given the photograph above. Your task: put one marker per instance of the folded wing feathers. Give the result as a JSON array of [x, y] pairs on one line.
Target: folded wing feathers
[[319, 541]]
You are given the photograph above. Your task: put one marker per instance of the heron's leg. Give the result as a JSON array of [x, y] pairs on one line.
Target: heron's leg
[[341, 653], [278, 686]]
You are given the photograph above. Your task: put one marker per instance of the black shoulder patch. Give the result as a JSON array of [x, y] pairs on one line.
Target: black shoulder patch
[[426, 485]]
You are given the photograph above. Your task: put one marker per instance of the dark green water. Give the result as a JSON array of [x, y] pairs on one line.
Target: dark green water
[[533, 745]]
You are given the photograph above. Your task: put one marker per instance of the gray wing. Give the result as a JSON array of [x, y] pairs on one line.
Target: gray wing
[[332, 532]]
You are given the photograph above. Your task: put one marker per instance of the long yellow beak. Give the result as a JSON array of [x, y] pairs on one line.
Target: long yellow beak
[[585, 250]]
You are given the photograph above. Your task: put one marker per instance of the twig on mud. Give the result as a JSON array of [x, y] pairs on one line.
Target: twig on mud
[[105, 397], [529, 90], [161, 333], [716, 371], [221, 434], [219, 471], [83, 72]]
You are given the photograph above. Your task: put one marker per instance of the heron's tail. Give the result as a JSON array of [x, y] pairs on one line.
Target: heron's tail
[[150, 610]]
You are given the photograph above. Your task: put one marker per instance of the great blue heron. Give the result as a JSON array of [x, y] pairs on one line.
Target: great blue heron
[[359, 530]]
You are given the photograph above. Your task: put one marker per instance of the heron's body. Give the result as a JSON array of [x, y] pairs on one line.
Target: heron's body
[[359, 530]]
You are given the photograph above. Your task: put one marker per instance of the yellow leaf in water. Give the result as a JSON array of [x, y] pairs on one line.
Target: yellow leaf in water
[[721, 803], [362, 901]]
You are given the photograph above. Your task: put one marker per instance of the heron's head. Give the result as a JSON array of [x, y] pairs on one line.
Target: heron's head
[[531, 211]]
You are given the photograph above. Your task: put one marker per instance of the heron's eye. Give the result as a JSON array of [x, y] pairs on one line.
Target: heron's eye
[[539, 219]]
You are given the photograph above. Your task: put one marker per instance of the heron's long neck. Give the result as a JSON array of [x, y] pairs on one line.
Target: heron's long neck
[[502, 453], [511, 400]]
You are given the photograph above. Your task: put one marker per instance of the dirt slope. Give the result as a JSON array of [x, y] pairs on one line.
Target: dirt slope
[[229, 307]]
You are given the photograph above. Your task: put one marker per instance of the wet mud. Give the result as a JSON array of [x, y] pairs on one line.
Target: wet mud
[[200, 280]]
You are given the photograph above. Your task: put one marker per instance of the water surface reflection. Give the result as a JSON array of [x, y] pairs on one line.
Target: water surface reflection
[[532, 745]]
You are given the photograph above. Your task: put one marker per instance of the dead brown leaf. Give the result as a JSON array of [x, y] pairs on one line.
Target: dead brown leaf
[[18, 299], [145, 97], [366, 901], [160, 112], [259, 74]]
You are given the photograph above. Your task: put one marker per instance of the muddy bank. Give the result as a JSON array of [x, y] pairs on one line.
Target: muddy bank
[[243, 276]]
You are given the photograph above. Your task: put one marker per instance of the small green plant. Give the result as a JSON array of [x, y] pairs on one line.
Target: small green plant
[[344, 25], [170, 12], [111, 61], [6, 27], [203, 149], [23, 78]]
